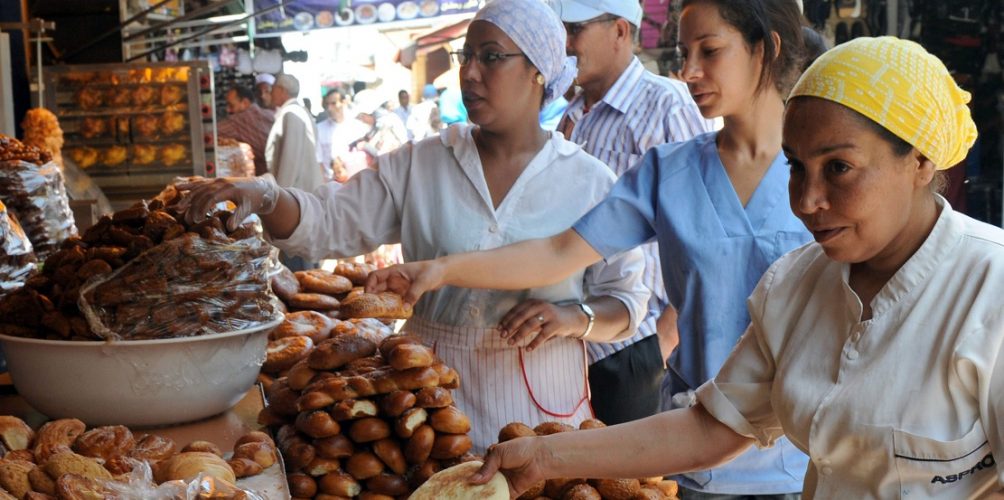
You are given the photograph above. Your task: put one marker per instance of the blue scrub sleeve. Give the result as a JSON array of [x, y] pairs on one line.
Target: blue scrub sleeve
[[626, 217]]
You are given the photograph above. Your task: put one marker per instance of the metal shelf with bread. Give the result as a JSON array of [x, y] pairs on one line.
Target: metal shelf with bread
[[135, 127]]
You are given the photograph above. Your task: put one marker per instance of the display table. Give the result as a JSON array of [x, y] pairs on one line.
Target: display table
[[223, 429]]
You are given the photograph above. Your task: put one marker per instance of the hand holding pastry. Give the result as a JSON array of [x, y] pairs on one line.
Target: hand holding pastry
[[256, 195], [518, 460], [409, 280]]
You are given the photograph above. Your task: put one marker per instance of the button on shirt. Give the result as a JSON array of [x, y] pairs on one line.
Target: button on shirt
[[714, 251], [641, 110], [432, 197], [907, 404]]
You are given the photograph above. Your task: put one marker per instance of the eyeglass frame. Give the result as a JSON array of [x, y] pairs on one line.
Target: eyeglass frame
[[575, 29], [463, 59]]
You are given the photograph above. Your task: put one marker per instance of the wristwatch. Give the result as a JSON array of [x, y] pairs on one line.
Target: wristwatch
[[592, 319]]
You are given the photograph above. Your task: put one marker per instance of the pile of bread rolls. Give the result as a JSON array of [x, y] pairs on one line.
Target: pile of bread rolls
[[655, 488], [64, 460], [360, 419]]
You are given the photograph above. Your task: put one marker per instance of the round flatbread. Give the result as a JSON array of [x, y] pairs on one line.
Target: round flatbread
[[452, 484]]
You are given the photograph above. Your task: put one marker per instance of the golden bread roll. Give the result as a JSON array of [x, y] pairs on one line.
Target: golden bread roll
[[321, 281], [384, 305], [453, 483]]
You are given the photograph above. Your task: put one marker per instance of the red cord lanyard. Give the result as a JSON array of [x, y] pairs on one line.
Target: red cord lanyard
[[585, 382]]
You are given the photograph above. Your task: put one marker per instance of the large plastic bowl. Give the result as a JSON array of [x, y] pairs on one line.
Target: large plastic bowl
[[137, 383]]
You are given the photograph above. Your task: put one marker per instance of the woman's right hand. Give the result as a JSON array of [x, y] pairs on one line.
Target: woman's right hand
[[251, 195], [409, 280], [518, 460]]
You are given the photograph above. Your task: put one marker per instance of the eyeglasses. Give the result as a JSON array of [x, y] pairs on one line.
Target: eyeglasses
[[573, 29], [487, 59]]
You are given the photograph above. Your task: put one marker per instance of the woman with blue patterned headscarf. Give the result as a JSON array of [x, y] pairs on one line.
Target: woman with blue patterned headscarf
[[473, 187]]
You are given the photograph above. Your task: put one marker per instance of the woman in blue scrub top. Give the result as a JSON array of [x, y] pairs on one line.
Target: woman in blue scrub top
[[717, 205]]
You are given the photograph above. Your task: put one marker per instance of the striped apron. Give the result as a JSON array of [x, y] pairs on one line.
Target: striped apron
[[500, 383]]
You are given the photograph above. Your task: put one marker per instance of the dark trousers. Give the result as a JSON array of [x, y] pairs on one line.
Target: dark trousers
[[295, 263], [627, 385], [686, 494]]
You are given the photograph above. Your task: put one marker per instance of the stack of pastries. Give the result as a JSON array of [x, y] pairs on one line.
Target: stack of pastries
[[64, 460]]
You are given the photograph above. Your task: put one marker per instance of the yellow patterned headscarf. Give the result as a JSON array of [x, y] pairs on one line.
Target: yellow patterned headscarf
[[900, 86]]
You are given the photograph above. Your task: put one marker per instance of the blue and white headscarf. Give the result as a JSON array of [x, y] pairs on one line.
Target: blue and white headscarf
[[537, 31]]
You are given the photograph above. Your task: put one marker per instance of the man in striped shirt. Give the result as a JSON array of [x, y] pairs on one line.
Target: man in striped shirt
[[620, 112]]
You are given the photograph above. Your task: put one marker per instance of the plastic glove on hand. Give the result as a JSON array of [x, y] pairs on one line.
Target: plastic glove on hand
[[251, 195]]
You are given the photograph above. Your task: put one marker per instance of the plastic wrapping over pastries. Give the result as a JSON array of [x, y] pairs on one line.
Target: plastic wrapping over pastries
[[183, 287], [17, 259], [31, 185]]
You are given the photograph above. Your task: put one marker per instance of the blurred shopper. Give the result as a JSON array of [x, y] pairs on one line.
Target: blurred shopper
[[263, 90], [621, 111], [424, 120], [403, 109], [247, 122], [386, 131], [291, 150]]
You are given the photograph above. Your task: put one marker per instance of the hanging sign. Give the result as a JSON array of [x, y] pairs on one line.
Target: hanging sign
[[304, 15]]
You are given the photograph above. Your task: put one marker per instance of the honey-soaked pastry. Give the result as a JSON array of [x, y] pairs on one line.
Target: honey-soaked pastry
[[172, 154], [113, 156], [117, 98], [172, 122], [145, 125], [105, 442], [85, 156], [321, 281], [144, 154], [91, 127], [143, 95], [171, 94], [313, 301], [88, 98], [384, 305], [304, 323]]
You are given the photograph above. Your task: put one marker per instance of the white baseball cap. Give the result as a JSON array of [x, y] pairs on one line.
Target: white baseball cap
[[576, 11], [265, 78]]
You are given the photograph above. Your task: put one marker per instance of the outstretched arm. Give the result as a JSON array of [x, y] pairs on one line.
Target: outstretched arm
[[668, 443], [527, 264]]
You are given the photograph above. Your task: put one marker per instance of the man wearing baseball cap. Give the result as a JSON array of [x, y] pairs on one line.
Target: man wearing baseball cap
[[620, 111]]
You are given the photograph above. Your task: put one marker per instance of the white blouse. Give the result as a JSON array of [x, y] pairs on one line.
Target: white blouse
[[909, 404], [431, 196]]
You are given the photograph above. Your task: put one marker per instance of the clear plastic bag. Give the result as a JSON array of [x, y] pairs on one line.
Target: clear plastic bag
[[17, 259], [36, 194], [183, 287], [140, 484]]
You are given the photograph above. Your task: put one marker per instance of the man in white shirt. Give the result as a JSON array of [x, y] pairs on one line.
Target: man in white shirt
[[620, 112], [331, 143], [291, 151]]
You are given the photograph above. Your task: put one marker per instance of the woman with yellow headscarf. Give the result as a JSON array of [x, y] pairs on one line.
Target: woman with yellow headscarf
[[877, 349]]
